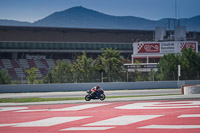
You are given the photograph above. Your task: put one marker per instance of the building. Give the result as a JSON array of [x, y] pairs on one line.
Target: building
[[146, 55], [26, 47], [23, 47]]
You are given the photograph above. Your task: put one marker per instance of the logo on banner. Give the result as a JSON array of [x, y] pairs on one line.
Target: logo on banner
[[149, 48], [184, 45]]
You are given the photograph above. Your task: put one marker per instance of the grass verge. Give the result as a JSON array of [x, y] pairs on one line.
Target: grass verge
[[37, 99]]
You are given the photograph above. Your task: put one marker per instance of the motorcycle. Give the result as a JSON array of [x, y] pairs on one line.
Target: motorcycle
[[90, 96]]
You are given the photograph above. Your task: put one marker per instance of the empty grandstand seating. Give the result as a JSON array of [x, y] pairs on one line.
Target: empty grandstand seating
[[43, 61], [43, 71], [39, 63], [1, 64], [15, 63], [7, 63], [51, 63], [19, 72], [16, 67], [23, 63], [11, 72], [31, 63]]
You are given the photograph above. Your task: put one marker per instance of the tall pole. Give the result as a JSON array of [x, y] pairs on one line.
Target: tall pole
[[175, 9], [153, 74], [177, 17], [22, 80], [102, 77], [179, 71], [127, 75]]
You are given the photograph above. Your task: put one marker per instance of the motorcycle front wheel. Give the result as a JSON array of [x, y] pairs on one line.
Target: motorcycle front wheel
[[87, 98], [102, 97]]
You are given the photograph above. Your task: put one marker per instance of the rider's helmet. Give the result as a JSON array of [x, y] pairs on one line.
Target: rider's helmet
[[97, 87]]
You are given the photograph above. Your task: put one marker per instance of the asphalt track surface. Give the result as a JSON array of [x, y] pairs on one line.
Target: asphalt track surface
[[83, 93], [157, 116]]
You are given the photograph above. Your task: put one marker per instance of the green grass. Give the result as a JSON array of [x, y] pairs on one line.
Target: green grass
[[37, 99]]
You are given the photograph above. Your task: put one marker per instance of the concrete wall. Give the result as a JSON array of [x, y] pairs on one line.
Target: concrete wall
[[189, 90], [86, 86]]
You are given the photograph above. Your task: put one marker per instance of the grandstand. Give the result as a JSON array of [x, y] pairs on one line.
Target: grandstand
[[22, 47], [16, 67]]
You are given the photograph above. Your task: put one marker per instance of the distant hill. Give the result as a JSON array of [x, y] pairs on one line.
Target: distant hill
[[14, 23], [80, 17]]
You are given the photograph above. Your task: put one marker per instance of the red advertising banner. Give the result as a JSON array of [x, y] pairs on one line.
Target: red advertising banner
[[149, 48], [184, 45]]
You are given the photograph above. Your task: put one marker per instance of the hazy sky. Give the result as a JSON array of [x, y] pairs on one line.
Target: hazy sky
[[33, 10]]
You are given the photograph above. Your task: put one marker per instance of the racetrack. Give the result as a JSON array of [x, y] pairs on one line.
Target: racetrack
[[82, 94], [107, 117]]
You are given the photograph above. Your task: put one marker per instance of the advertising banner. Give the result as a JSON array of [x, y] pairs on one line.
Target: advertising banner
[[149, 48], [163, 47], [169, 47], [192, 45]]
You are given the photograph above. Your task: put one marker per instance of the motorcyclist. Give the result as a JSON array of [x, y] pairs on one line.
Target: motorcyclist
[[96, 90]]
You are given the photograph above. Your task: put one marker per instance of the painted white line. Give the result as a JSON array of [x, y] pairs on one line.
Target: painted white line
[[161, 105], [11, 108], [8, 125], [80, 107], [73, 108], [50, 121], [189, 115], [171, 126], [86, 128], [137, 105], [46, 122], [123, 120], [32, 110]]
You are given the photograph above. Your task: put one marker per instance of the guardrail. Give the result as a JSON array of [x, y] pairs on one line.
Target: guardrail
[[86, 86]]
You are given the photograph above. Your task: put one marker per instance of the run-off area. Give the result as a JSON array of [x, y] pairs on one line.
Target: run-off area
[[135, 116]]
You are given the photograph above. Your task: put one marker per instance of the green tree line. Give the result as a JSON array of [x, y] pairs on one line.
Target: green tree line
[[108, 67], [189, 61]]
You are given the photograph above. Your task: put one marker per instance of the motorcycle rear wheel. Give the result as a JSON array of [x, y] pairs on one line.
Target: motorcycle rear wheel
[[87, 98]]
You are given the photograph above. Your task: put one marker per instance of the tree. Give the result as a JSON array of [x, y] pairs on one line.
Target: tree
[[99, 70], [111, 63], [4, 77], [32, 75], [138, 74], [168, 67], [83, 68], [61, 73], [190, 64], [151, 75]]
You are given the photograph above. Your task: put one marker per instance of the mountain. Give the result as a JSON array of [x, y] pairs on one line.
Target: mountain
[[14, 23], [86, 18], [80, 17]]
